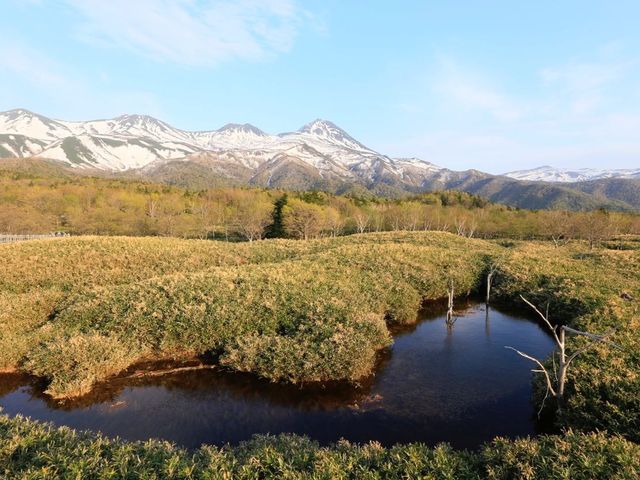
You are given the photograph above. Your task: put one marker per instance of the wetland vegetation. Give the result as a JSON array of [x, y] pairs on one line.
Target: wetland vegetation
[[433, 384], [76, 312]]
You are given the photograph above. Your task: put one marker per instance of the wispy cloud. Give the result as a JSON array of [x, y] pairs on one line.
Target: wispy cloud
[[192, 32], [469, 90], [584, 84], [30, 65], [579, 112], [62, 87]]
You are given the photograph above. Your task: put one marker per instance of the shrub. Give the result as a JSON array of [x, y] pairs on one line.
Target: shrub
[[31, 449], [74, 364]]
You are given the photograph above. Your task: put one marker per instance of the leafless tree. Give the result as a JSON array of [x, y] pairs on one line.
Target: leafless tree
[[379, 218], [205, 214], [461, 226], [362, 221], [556, 380], [411, 215], [333, 222], [595, 227], [493, 269], [450, 316], [558, 225], [152, 208], [473, 226]]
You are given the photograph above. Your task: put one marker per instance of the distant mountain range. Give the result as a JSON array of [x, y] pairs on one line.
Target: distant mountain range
[[320, 155], [551, 174]]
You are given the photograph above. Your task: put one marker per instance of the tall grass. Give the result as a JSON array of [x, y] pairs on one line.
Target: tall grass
[[31, 450], [77, 311], [322, 317]]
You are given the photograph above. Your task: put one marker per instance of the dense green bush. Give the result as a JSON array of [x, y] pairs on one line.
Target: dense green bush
[[32, 450], [79, 361]]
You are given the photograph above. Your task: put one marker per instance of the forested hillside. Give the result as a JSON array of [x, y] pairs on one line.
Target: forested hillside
[[38, 197]]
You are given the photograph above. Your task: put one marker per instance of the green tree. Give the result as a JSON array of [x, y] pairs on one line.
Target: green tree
[[303, 220], [277, 229]]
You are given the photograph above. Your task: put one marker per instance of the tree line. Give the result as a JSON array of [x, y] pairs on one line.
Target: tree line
[[93, 206]]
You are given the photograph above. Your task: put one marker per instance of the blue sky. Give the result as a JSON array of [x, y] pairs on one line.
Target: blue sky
[[491, 85]]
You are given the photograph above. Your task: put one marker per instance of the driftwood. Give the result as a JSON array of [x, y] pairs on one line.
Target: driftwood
[[556, 383], [160, 373]]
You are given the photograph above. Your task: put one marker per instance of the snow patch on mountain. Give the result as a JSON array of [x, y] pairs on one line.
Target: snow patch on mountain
[[319, 149], [31, 125], [551, 174]]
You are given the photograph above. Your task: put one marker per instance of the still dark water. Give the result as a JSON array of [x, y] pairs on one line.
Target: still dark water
[[433, 385]]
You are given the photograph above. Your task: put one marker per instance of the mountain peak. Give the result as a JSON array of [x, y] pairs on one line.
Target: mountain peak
[[144, 126], [30, 124], [318, 126], [242, 128], [18, 113], [326, 130], [132, 119]]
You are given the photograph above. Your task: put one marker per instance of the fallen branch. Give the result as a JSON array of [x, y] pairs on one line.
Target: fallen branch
[[160, 373]]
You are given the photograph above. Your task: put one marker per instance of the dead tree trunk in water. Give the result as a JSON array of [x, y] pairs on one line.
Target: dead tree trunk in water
[[493, 268], [557, 388], [450, 318]]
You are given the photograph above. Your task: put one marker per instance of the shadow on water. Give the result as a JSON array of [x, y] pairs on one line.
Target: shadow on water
[[432, 385]]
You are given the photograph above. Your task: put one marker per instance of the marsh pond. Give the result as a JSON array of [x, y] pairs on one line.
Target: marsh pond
[[434, 384]]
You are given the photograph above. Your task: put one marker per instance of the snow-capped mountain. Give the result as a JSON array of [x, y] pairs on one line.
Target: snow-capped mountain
[[122, 143], [551, 174], [31, 125], [319, 150], [320, 155]]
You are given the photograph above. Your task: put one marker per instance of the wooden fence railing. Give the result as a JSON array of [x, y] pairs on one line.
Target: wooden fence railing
[[21, 238]]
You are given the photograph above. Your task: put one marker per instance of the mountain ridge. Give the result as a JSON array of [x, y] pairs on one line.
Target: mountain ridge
[[319, 155], [547, 173]]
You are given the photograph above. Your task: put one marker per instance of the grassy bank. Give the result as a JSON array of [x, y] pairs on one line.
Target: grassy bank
[[253, 306], [77, 311], [35, 450]]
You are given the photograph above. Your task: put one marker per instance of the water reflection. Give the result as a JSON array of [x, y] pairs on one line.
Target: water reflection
[[432, 385]]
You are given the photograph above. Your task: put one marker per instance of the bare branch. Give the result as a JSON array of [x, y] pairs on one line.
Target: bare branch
[[595, 338], [578, 352], [450, 313], [545, 318], [543, 370], [560, 370], [546, 395], [592, 336]]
